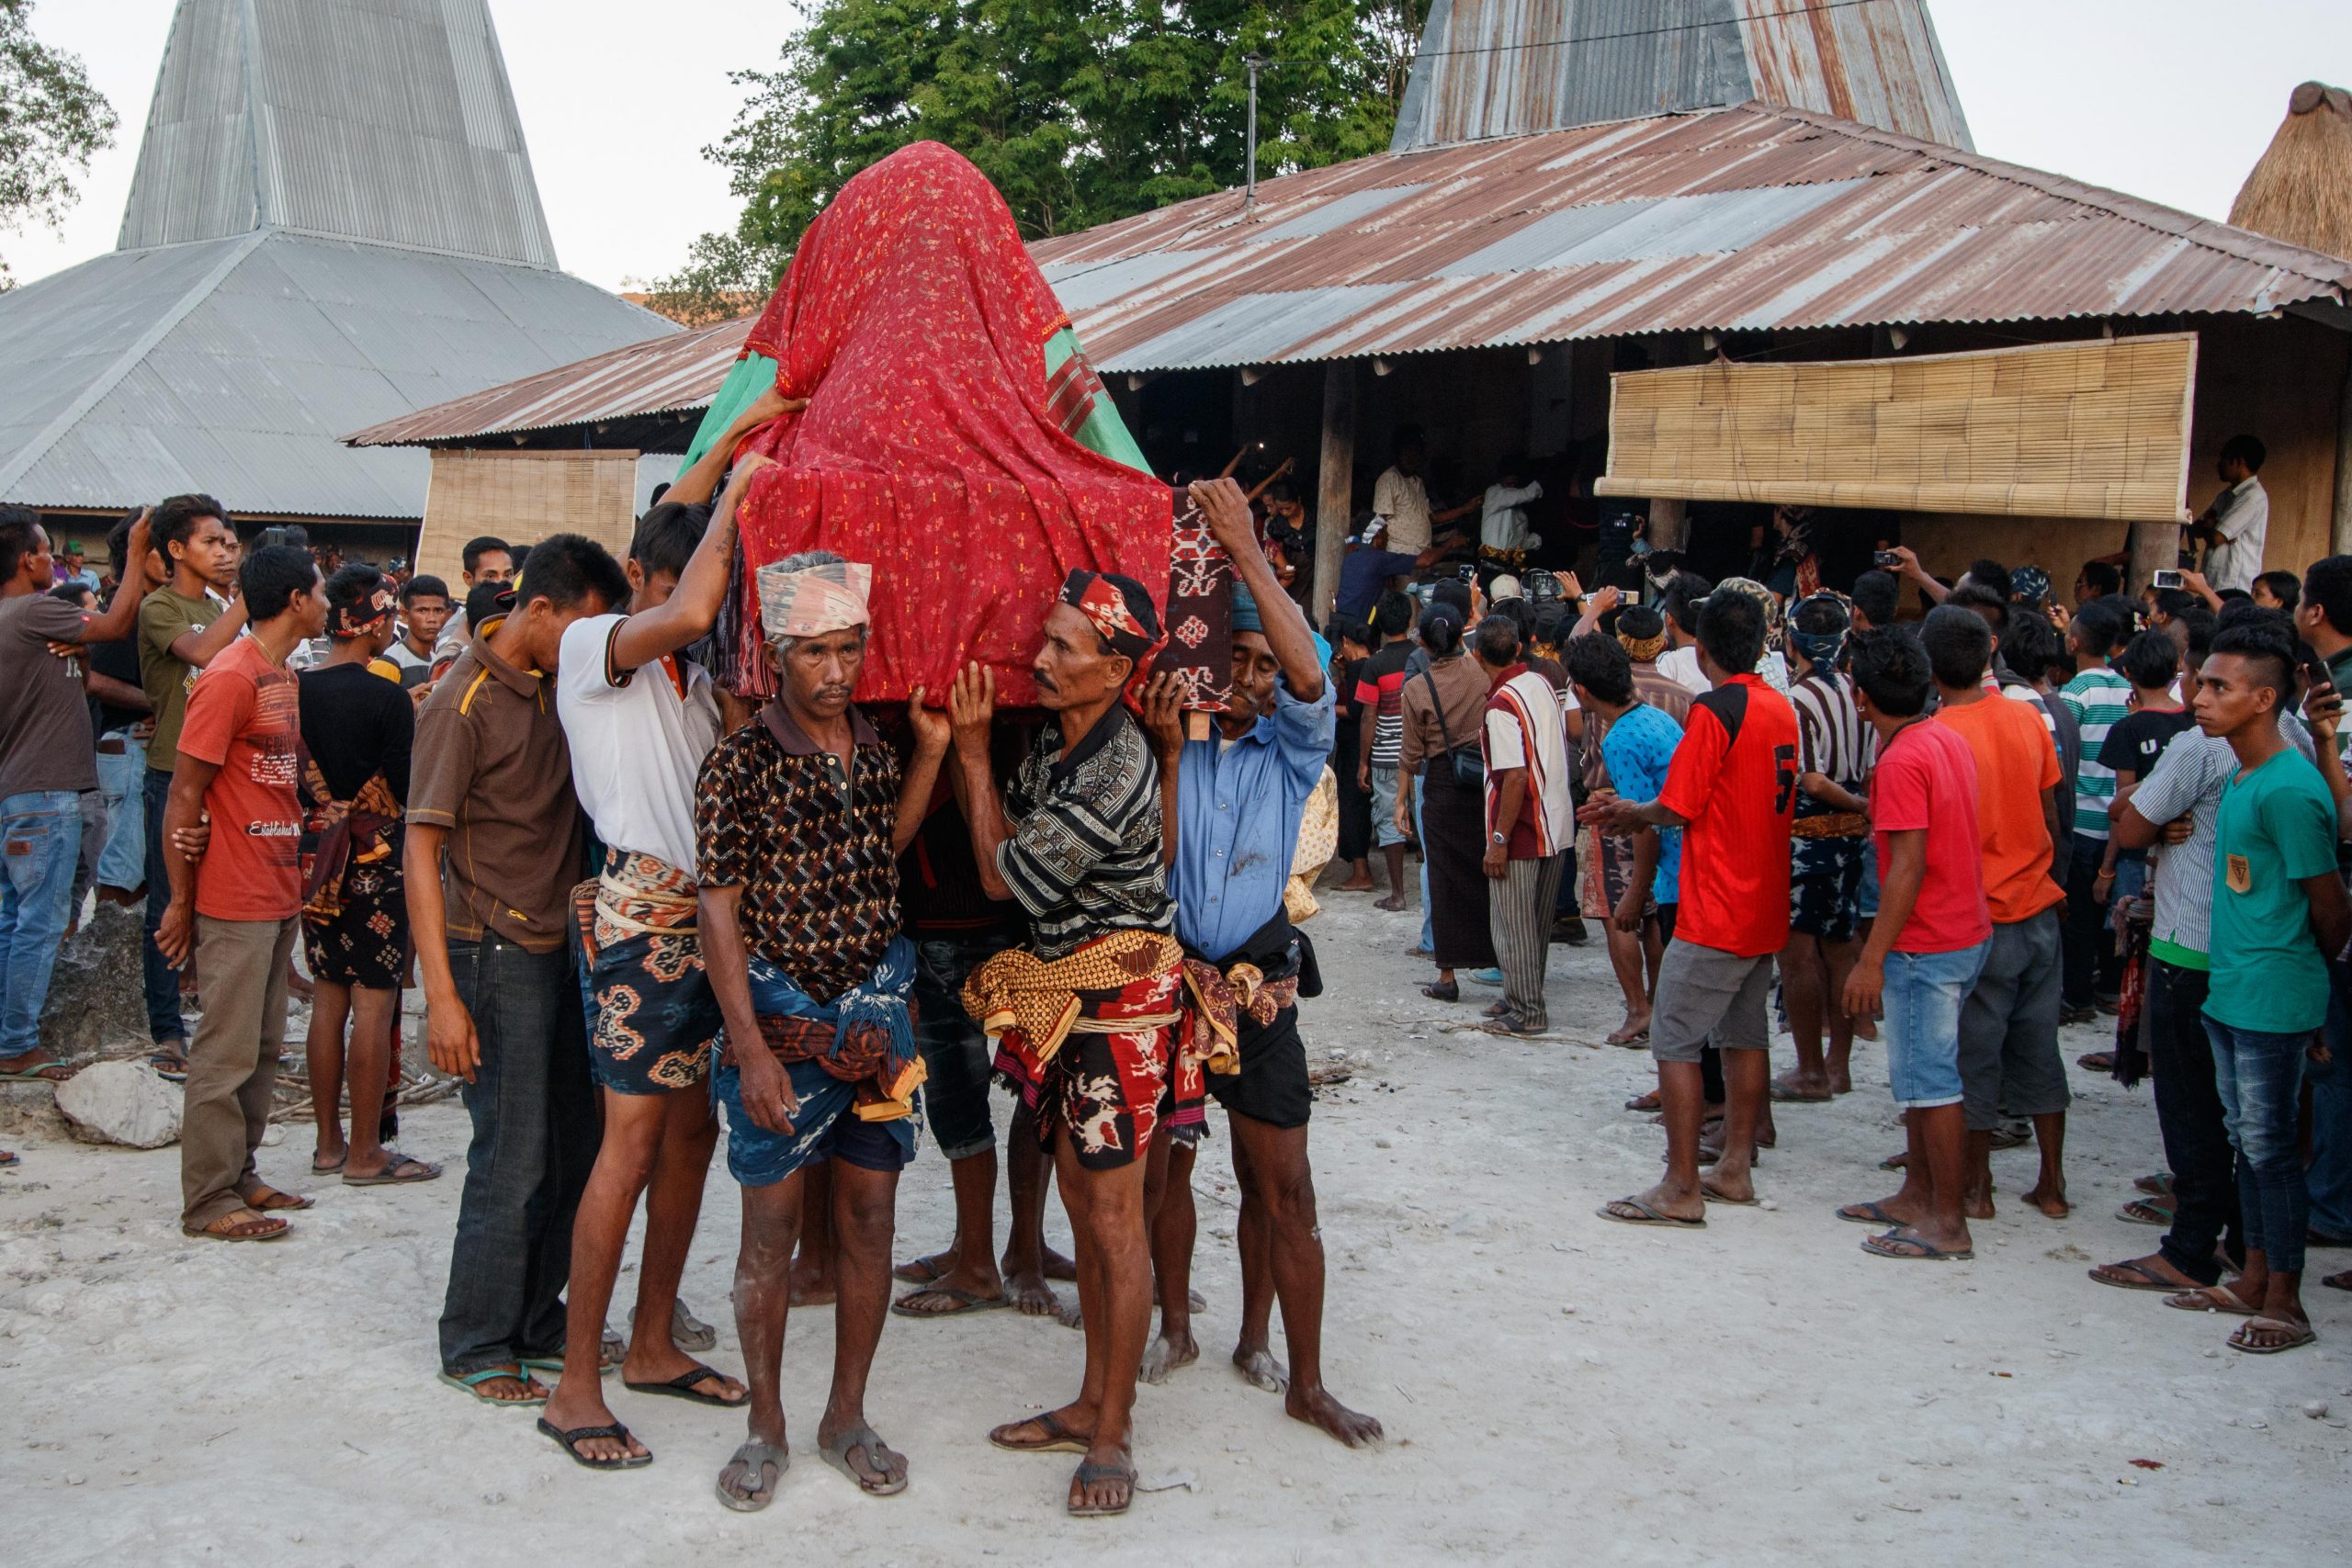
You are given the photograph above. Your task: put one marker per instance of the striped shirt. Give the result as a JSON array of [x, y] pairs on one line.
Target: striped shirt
[[1084, 857], [1527, 729], [2098, 698], [1832, 741]]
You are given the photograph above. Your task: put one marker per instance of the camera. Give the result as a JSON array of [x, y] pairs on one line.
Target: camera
[[2166, 577], [1886, 558]]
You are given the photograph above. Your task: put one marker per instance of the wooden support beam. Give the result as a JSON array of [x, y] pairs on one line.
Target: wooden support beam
[[1335, 488], [2340, 531], [2154, 547]]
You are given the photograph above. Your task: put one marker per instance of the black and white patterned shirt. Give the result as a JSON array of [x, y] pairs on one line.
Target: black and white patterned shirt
[[1085, 857]]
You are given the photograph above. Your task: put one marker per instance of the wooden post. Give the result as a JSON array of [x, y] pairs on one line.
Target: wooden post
[[2340, 533], [1669, 524], [2154, 547], [1335, 488]]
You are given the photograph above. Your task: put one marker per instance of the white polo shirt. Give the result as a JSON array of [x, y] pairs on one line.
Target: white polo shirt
[[637, 739]]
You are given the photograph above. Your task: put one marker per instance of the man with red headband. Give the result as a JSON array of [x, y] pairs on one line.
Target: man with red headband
[[1083, 1014]]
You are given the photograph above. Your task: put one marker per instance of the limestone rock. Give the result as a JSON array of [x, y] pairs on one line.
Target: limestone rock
[[96, 1000], [121, 1103]]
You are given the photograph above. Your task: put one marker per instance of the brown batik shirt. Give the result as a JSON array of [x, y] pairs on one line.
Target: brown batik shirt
[[810, 848]]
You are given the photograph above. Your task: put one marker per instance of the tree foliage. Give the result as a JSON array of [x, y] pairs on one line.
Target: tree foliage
[[1081, 111], [51, 122]]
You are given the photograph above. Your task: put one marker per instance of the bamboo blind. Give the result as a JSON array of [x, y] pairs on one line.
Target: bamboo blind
[[522, 497], [2086, 430]]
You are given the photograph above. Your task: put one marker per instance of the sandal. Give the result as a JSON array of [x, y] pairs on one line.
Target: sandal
[[2149, 1278], [570, 1442], [471, 1383], [270, 1201], [398, 1171], [2214, 1298], [1897, 1246], [1060, 1439], [756, 1458], [889, 1483], [920, 1270], [238, 1224], [683, 1387], [1442, 991], [1090, 1474], [966, 1300], [2143, 1212], [1643, 1215], [2298, 1336], [340, 1161]]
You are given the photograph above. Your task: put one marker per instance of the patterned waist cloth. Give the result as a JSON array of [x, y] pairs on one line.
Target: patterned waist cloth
[[864, 1036], [1831, 824], [1029, 1006]]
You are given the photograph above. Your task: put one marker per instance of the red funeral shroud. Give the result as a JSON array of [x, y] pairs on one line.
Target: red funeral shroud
[[915, 321]]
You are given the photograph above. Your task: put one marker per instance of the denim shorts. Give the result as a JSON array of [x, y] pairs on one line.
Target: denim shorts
[[954, 1048], [1383, 806], [827, 1126], [1924, 991]]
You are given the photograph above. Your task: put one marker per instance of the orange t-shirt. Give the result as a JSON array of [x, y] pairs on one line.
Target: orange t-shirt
[[2015, 762], [245, 716]]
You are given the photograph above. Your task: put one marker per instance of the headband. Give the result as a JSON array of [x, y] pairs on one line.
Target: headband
[[1118, 607], [813, 600], [357, 620]]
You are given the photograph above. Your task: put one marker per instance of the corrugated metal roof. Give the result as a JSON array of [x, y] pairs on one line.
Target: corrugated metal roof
[[1748, 217], [232, 367], [676, 373], [384, 121], [1491, 68]]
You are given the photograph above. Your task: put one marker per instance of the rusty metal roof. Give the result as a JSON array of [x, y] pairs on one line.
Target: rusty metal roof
[[1509, 67], [673, 374], [1741, 218], [1746, 217]]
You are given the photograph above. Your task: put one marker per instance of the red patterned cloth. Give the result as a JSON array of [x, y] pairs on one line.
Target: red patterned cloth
[[932, 447]]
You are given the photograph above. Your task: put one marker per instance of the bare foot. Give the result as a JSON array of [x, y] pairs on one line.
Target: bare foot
[[1027, 1290], [1260, 1370], [1393, 903], [811, 1286], [590, 1410], [1976, 1203], [2050, 1197], [1841, 1083], [1358, 884], [1168, 1355], [1059, 1268], [1071, 1314], [1317, 1408], [1738, 1190]]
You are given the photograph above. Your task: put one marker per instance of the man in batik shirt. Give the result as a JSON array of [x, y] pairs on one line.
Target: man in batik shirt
[[1083, 1013], [799, 818]]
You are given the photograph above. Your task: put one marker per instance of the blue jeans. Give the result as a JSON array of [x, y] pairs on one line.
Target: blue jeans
[[161, 981], [41, 842], [1923, 995], [954, 1049], [1428, 919], [2329, 1180], [123, 864], [534, 1140], [2261, 1077]]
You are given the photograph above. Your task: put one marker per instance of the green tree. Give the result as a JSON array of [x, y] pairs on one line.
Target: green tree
[[1081, 111], [51, 123]]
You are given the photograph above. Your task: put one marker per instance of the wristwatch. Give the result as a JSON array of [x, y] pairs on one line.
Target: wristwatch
[[1499, 839]]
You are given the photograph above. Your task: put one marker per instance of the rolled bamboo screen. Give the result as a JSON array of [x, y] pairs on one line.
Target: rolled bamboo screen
[[2087, 430], [522, 497]]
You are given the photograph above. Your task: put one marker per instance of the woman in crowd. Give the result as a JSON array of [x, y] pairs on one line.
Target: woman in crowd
[[1444, 709]]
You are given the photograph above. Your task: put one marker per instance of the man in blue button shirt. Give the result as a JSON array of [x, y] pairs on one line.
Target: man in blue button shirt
[[1237, 798]]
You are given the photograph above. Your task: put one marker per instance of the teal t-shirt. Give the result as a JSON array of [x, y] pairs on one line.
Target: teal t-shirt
[[2276, 827]]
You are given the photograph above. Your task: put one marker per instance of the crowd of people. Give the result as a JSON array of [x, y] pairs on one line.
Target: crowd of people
[[634, 903]]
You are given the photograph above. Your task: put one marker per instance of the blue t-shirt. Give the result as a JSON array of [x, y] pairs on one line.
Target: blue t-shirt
[[1637, 749], [1363, 573]]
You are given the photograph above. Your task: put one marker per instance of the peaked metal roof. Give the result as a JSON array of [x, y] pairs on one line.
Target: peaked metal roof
[[1509, 67], [384, 121], [1749, 218], [333, 222]]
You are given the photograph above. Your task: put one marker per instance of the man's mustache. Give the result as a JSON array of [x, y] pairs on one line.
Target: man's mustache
[[1044, 683]]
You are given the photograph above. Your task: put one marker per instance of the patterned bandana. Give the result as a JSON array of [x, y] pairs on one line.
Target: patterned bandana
[[2030, 586], [358, 620], [1750, 588], [1119, 608], [1642, 649], [1826, 650], [815, 598]]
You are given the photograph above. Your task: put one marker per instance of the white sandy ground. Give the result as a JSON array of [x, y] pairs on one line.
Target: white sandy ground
[[1556, 1389]]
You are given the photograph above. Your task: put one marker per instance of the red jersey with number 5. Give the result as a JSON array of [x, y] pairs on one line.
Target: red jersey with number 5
[[1734, 779]]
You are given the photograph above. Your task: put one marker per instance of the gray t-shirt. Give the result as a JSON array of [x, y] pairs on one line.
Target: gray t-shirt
[[45, 740]]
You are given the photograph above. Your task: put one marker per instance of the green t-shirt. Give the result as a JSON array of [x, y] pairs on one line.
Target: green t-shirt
[[164, 618], [2276, 827]]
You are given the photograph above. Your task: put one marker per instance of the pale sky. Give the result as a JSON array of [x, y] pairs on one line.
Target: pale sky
[[2172, 100]]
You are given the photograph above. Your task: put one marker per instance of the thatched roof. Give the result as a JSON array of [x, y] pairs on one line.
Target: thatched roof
[[2301, 190]]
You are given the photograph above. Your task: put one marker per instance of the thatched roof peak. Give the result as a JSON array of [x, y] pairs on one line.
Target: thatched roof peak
[[2301, 190]]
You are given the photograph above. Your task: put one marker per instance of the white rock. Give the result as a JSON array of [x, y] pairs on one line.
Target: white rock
[[2315, 1408], [121, 1103]]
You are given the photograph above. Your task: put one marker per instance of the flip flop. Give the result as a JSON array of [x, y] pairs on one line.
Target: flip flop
[[2230, 1301], [2299, 1335], [1090, 1473], [1647, 1215], [2140, 1212], [48, 1072], [2095, 1061], [1643, 1103], [554, 1364], [341, 1160], [268, 1229], [1868, 1214], [471, 1383], [1638, 1038], [2159, 1185], [1708, 1191], [919, 1271], [1060, 1439], [270, 1201], [570, 1442], [683, 1387], [836, 1453], [1442, 991], [758, 1457], [2149, 1278], [1783, 1095], [2342, 1281], [688, 1332], [9, 1158], [395, 1162], [170, 1068], [968, 1301], [1913, 1248]]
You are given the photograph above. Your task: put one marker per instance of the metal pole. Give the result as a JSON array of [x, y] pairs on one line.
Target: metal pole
[[1254, 60]]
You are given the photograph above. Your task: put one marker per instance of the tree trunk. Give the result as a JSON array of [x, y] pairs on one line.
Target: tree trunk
[[1335, 490]]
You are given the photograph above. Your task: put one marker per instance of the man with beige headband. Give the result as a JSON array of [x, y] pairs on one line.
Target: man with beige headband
[[640, 719], [799, 818]]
